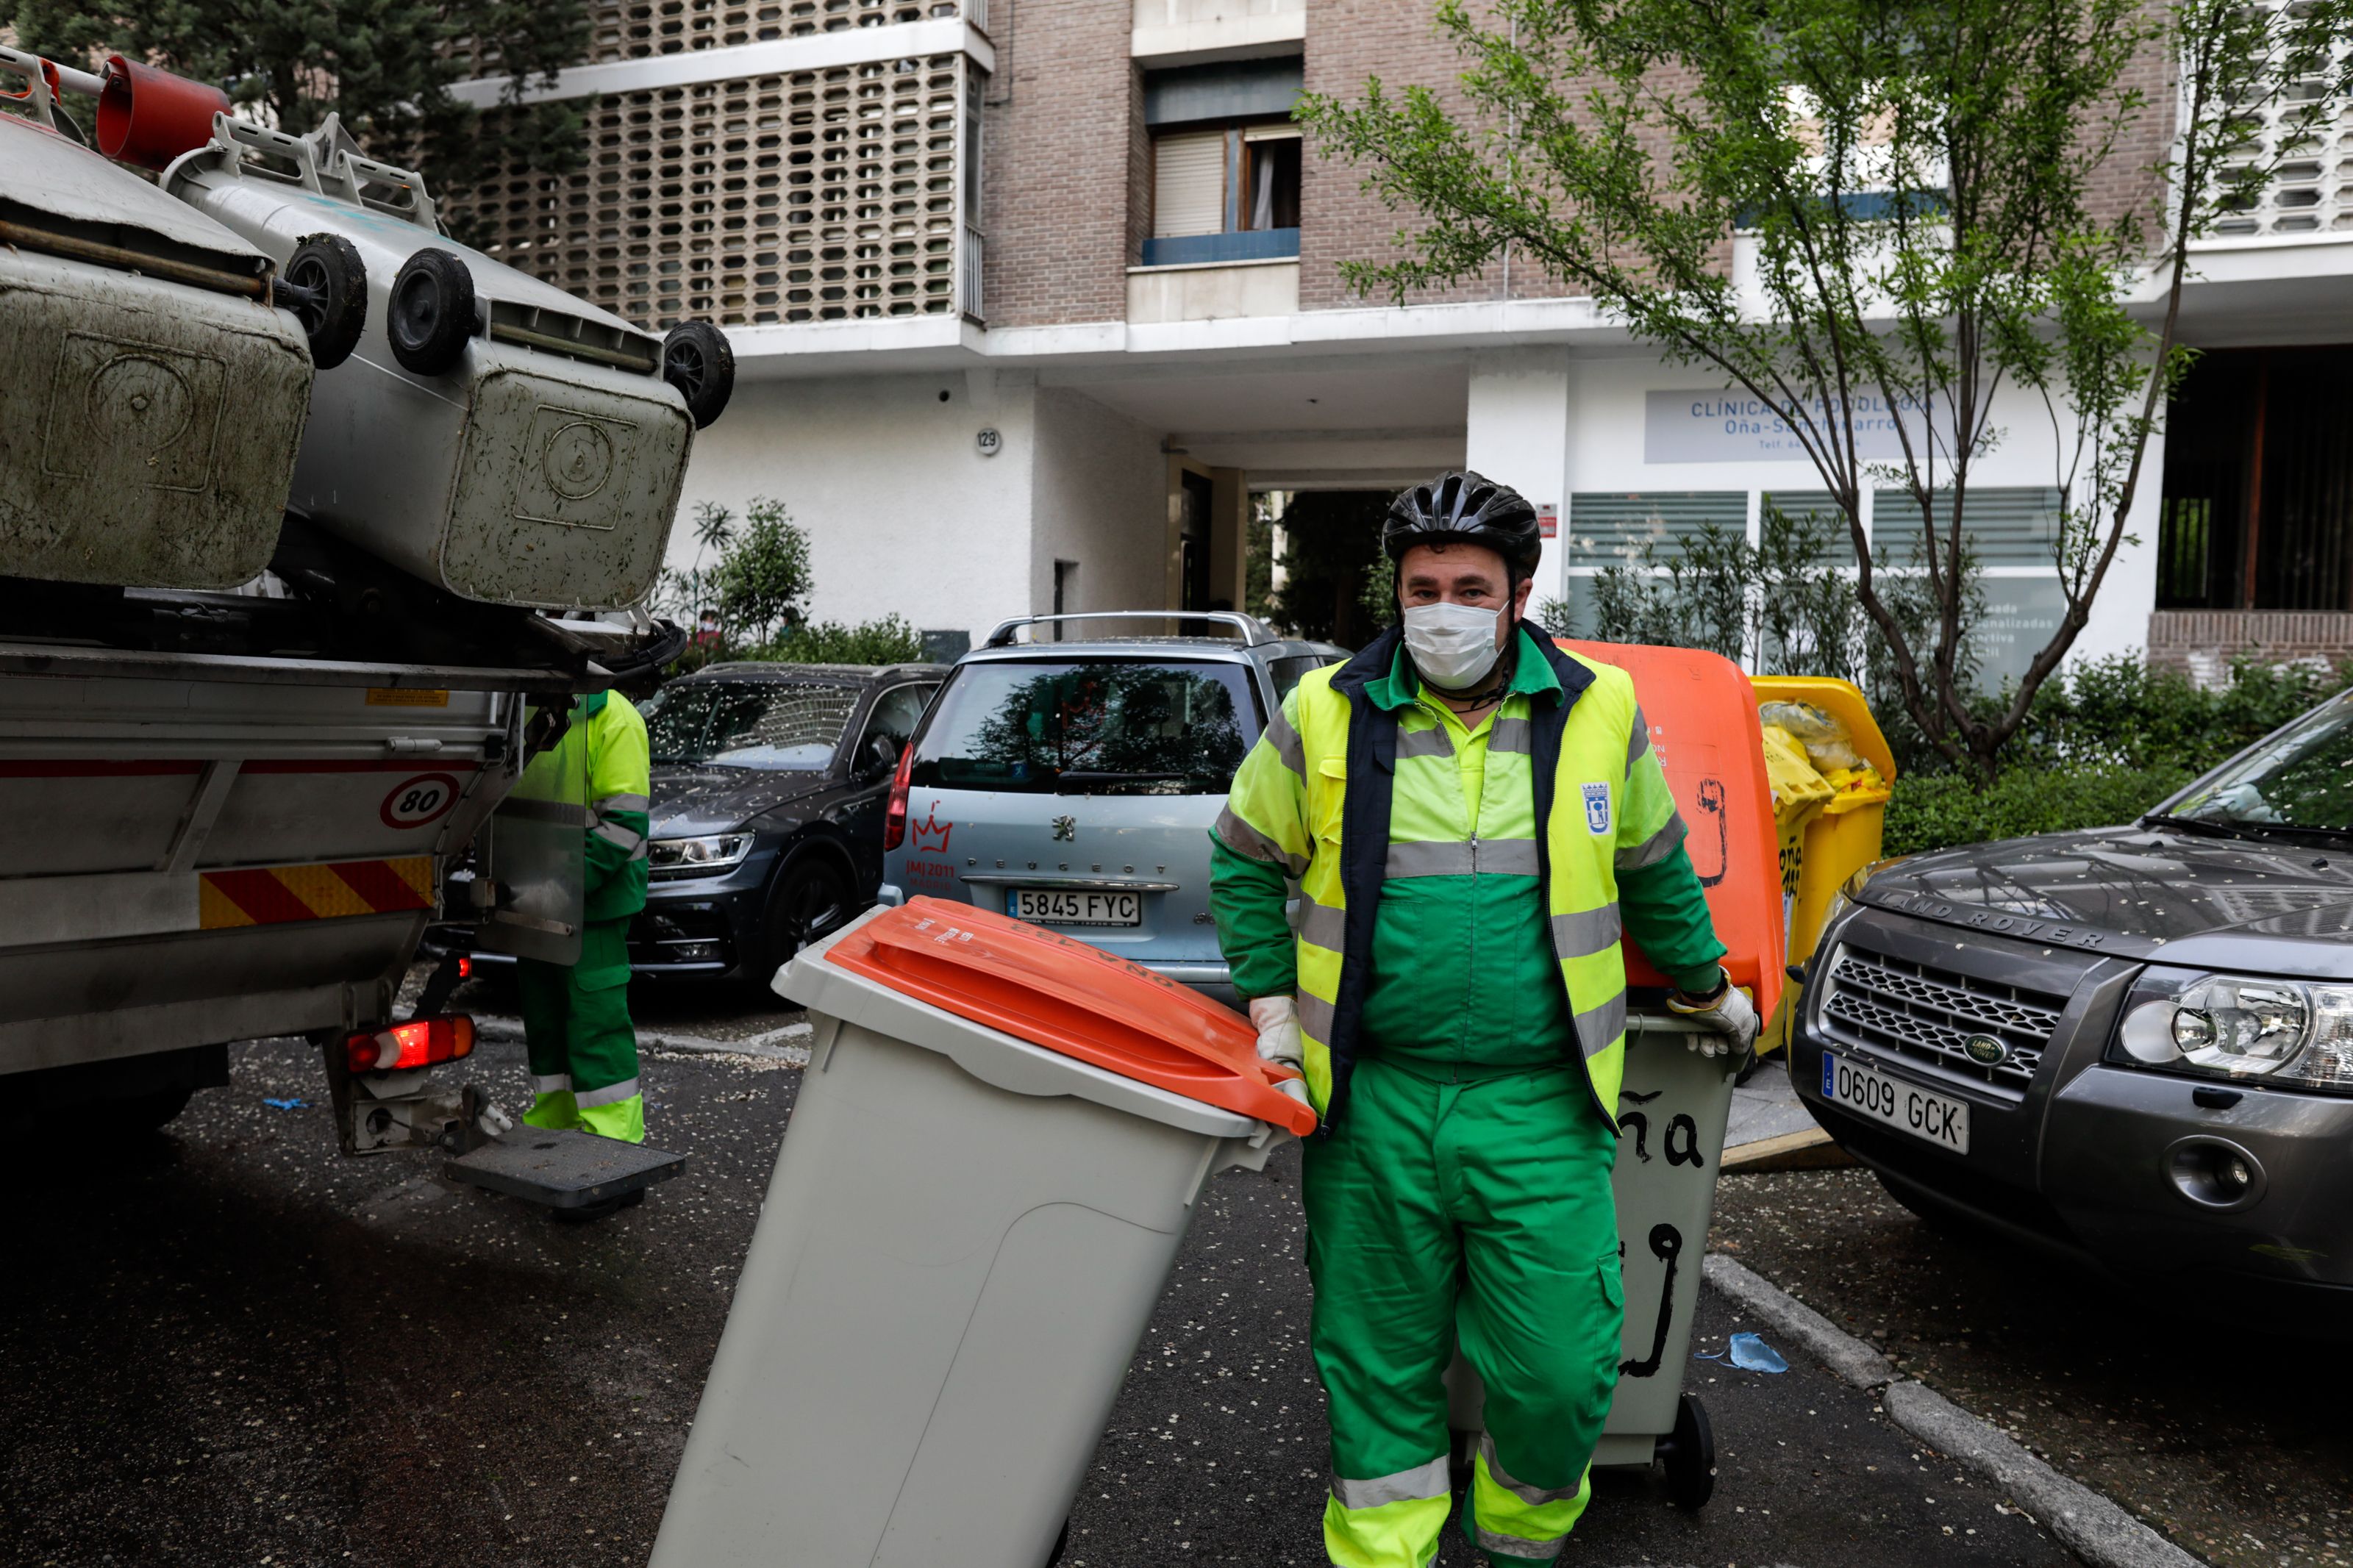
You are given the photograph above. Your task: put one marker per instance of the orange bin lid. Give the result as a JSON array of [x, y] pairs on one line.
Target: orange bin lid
[[1703, 717], [1073, 999]]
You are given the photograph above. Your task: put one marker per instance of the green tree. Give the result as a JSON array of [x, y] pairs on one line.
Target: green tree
[[763, 577], [1335, 588], [383, 66], [1920, 235]]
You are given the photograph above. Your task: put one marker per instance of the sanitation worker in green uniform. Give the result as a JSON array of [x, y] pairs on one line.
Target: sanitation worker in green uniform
[[575, 1020], [1470, 817]]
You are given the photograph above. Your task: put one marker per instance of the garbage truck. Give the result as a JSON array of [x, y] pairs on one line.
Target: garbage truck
[[260, 690]]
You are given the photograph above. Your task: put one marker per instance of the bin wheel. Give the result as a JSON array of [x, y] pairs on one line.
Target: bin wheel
[[697, 360], [432, 311], [1062, 1544], [325, 283], [1689, 1453]]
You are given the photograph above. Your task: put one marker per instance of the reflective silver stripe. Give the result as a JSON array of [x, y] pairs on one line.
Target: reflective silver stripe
[[1502, 1545], [1430, 742], [1285, 742], [1587, 932], [1639, 741], [1535, 1497], [1598, 1029], [1250, 843], [611, 1094], [639, 852], [537, 810], [1463, 858], [1315, 1017], [622, 803], [619, 836], [1511, 735], [1419, 1484], [1654, 848], [1322, 924], [558, 1083]]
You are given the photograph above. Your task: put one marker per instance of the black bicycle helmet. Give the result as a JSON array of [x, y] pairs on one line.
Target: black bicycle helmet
[[1469, 507]]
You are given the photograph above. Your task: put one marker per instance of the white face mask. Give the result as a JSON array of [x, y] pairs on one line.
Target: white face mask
[[1453, 645]]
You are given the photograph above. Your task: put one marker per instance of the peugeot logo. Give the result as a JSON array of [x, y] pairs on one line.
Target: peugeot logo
[[1986, 1051], [1065, 829]]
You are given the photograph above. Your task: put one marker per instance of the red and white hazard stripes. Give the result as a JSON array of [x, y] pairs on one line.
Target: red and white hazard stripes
[[272, 895]]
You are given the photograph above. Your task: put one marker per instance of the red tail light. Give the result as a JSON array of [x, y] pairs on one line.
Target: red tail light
[[465, 968], [419, 1044], [894, 818]]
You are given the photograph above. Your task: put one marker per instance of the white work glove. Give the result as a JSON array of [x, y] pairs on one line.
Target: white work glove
[[1729, 1015], [1277, 1021]]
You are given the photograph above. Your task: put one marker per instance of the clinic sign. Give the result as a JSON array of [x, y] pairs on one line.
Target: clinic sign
[[1717, 426]]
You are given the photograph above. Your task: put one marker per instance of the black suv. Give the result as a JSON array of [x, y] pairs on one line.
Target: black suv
[[770, 781]]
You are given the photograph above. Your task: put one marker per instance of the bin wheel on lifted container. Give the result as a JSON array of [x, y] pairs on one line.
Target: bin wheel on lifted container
[[324, 284], [1689, 1453], [432, 311], [697, 361]]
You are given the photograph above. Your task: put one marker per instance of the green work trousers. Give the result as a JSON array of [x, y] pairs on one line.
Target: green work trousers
[[1476, 1212], [583, 1048]]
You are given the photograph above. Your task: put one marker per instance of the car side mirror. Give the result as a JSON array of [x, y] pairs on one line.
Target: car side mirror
[[880, 756]]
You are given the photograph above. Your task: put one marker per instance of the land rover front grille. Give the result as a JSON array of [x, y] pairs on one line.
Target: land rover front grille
[[1935, 1015]]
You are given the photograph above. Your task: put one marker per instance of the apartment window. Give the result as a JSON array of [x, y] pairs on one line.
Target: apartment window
[[1225, 162]]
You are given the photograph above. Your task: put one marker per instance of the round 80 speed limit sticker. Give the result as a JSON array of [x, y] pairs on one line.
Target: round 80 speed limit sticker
[[413, 802]]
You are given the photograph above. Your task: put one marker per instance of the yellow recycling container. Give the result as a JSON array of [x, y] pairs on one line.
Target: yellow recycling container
[[1830, 825]]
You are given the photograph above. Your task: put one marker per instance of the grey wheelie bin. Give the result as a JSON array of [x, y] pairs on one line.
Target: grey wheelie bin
[[1674, 1103], [154, 399], [991, 1165]]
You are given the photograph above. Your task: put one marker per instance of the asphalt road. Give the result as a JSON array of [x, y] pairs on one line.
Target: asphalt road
[[228, 1345], [2228, 1438]]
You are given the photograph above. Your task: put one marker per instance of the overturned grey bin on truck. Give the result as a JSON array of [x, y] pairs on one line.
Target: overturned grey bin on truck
[[488, 433], [993, 1159], [154, 398]]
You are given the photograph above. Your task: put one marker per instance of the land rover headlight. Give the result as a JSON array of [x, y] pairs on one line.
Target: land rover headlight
[[2287, 1032]]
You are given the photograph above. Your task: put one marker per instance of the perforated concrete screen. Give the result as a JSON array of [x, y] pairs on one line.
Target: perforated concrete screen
[[810, 196], [2313, 190], [640, 29]]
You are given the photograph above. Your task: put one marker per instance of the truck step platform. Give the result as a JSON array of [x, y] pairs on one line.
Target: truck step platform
[[564, 1169]]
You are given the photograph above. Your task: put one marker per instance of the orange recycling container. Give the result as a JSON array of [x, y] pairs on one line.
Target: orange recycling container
[[1703, 716], [1075, 998]]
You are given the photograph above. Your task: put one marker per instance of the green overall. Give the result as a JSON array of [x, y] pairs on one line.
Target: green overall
[[1462, 1000], [575, 1019]]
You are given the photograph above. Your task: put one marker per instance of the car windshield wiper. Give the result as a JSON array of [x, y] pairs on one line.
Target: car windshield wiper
[[2201, 825], [1081, 778]]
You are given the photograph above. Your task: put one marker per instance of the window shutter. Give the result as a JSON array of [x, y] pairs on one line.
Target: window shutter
[[1188, 194]]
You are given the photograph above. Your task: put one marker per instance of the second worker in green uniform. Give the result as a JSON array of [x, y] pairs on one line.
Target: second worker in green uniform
[[1472, 818], [575, 1019]]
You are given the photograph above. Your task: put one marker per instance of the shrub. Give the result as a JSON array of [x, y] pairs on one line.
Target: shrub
[[1935, 811], [890, 641]]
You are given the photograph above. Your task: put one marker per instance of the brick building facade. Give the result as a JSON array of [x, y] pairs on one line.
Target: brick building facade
[[1088, 228]]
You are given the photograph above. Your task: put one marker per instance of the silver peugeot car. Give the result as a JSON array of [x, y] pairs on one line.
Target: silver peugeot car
[[1073, 782], [2134, 1044]]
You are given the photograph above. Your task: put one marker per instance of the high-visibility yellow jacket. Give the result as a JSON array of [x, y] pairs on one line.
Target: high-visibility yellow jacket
[[1569, 750], [602, 766]]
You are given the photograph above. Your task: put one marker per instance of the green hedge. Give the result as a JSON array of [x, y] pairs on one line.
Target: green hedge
[[1935, 811], [890, 641]]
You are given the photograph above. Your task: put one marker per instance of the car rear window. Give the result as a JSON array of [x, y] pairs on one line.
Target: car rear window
[[1089, 727], [775, 726]]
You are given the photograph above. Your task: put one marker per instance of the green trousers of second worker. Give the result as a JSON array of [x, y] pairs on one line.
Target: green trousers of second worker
[[583, 1048], [1476, 1212]]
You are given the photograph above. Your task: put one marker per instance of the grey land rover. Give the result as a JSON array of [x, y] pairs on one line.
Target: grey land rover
[[2134, 1044]]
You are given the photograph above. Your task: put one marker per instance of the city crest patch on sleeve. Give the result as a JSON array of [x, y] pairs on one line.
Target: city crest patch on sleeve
[[1596, 809]]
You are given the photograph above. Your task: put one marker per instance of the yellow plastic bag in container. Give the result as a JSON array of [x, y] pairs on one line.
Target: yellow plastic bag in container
[[1827, 741], [1854, 788], [1799, 793]]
